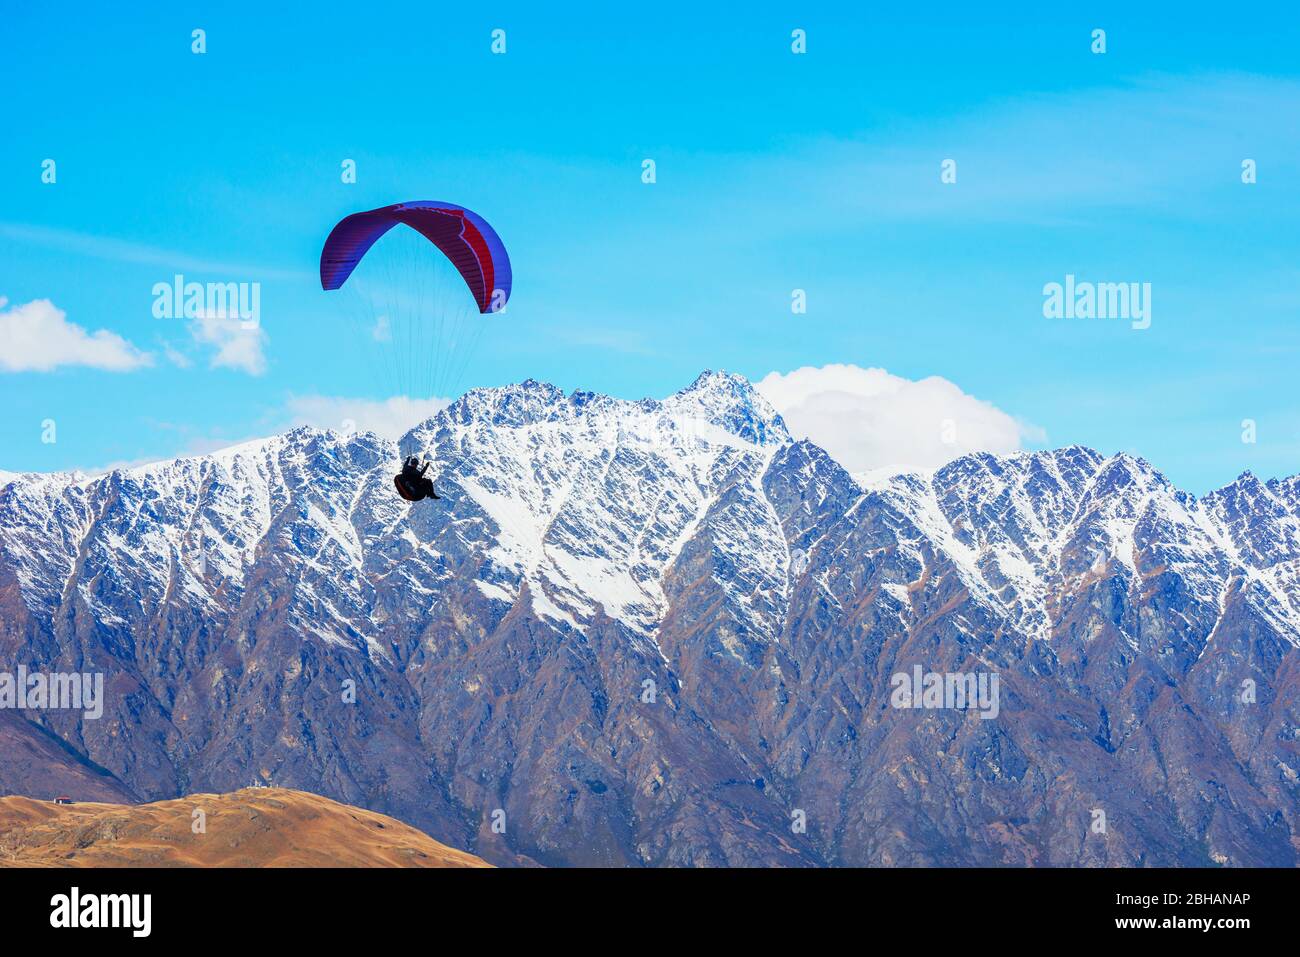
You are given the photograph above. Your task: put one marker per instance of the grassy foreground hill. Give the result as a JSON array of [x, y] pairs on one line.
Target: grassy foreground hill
[[254, 827]]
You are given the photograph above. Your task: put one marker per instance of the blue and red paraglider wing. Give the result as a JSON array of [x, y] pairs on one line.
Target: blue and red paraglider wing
[[464, 237]]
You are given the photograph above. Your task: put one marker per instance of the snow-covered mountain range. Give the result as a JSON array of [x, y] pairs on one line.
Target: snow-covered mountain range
[[664, 632]]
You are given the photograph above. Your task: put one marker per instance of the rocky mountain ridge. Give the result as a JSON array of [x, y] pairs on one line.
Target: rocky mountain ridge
[[664, 632]]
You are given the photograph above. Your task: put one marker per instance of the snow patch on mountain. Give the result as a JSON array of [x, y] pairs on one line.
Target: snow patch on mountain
[[589, 503]]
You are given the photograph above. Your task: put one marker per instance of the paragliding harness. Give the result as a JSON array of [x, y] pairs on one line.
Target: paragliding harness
[[411, 484]]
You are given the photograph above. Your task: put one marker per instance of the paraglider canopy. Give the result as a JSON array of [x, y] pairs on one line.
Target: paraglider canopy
[[464, 237]]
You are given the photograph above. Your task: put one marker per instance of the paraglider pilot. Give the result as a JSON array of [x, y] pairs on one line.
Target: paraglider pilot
[[411, 484]]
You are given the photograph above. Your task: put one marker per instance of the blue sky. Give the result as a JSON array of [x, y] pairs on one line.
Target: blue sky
[[775, 171]]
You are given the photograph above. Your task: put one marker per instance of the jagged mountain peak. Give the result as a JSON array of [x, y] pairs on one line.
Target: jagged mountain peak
[[723, 400], [1124, 481], [501, 637], [303, 447], [711, 380], [1071, 475], [730, 401], [511, 405], [1069, 459]]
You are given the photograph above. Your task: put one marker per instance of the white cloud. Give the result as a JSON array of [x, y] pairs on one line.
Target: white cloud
[[175, 356], [390, 418], [37, 337], [872, 421], [238, 345]]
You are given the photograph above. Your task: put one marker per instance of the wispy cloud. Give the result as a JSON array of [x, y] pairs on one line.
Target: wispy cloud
[[198, 446], [1173, 143], [175, 356], [125, 251], [1157, 139], [235, 344], [391, 417]]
